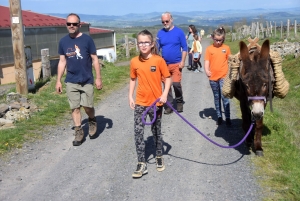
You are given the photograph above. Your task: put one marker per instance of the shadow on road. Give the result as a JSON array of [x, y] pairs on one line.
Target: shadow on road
[[150, 148], [102, 124]]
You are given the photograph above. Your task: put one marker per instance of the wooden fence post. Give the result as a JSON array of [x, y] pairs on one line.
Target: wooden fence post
[[275, 29], [295, 27], [127, 46], [18, 46], [136, 45], [257, 29], [288, 28], [46, 69], [281, 25]]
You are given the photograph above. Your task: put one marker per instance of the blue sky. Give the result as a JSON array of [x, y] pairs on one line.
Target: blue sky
[[122, 7]]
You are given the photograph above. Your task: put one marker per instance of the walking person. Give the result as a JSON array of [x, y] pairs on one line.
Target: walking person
[[196, 51], [148, 68], [190, 39], [172, 44], [78, 52], [216, 68]]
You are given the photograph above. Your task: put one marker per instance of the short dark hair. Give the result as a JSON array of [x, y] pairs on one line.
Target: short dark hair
[[74, 14]]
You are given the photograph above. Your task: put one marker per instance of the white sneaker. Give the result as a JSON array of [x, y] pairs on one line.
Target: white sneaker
[[160, 165], [141, 169]]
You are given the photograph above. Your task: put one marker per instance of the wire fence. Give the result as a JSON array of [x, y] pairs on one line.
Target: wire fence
[[268, 29]]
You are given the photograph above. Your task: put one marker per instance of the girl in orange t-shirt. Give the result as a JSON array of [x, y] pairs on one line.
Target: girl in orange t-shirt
[[148, 68], [216, 68]]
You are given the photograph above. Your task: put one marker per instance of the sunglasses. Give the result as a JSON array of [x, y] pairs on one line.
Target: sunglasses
[[75, 24], [167, 21]]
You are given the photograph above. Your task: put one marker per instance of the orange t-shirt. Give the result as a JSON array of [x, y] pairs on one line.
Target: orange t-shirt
[[218, 61], [149, 74]]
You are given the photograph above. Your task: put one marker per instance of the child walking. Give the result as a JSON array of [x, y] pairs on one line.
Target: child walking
[[196, 50], [148, 68], [216, 68]]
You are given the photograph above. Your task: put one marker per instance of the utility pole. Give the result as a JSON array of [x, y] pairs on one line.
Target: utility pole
[[18, 46]]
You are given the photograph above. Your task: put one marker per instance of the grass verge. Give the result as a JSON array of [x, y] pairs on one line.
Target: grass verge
[[52, 107]]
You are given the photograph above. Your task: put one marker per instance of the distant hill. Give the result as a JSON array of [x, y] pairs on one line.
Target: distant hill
[[203, 18]]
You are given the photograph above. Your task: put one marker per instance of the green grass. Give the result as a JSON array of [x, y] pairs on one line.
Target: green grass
[[278, 172], [53, 108]]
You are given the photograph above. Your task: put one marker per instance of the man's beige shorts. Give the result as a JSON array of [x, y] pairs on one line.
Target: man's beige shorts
[[80, 95]]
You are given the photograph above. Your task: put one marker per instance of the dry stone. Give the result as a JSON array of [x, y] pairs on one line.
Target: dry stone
[[17, 108]]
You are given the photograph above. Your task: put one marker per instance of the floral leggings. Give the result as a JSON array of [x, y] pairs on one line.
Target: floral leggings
[[139, 131]]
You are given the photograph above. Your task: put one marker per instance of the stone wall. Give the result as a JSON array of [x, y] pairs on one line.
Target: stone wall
[[287, 48]]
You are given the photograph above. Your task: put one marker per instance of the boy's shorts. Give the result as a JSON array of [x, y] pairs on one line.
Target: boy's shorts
[[80, 95]]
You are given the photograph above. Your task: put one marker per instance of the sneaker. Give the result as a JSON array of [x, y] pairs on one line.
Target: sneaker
[[168, 110], [141, 169], [160, 165], [201, 70], [179, 107], [220, 120], [92, 127], [228, 122], [196, 71], [79, 137]]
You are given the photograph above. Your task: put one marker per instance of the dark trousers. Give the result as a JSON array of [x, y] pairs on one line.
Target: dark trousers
[[190, 58], [178, 93], [195, 64]]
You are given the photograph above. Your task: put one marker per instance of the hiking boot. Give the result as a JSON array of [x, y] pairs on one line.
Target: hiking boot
[[160, 165], [228, 122], [179, 107], [141, 169], [79, 136], [219, 121], [168, 110], [92, 127]]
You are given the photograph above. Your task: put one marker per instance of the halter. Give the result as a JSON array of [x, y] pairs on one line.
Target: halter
[[257, 98]]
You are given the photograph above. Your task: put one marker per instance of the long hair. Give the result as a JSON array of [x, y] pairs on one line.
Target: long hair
[[154, 50], [219, 32], [194, 30]]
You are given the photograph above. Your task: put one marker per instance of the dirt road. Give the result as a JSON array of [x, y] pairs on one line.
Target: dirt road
[[100, 169]]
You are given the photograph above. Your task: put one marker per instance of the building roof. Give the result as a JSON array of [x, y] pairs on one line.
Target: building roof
[[94, 30], [32, 19]]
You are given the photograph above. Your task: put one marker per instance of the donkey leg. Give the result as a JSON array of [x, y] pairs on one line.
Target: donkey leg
[[257, 140], [246, 119]]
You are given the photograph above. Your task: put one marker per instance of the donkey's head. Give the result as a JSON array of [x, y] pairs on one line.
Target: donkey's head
[[255, 77]]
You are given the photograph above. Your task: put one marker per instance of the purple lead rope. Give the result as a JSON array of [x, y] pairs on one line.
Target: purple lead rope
[[170, 105]]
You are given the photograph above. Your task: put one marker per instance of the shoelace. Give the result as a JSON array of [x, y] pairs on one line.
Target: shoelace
[[139, 167], [159, 161]]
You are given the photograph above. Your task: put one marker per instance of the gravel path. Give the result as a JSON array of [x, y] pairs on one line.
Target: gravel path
[[100, 169]]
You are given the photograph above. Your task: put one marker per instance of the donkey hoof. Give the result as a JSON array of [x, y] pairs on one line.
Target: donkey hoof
[[259, 153]]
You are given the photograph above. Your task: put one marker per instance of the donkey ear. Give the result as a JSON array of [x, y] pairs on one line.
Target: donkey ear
[[244, 52], [265, 50]]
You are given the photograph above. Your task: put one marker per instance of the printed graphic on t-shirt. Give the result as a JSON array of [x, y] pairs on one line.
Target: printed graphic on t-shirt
[[74, 52], [153, 68], [224, 51]]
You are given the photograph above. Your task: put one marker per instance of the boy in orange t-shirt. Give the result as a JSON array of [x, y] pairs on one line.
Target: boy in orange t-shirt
[[216, 68]]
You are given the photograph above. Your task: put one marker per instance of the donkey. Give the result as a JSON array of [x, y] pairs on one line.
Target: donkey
[[254, 88]]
